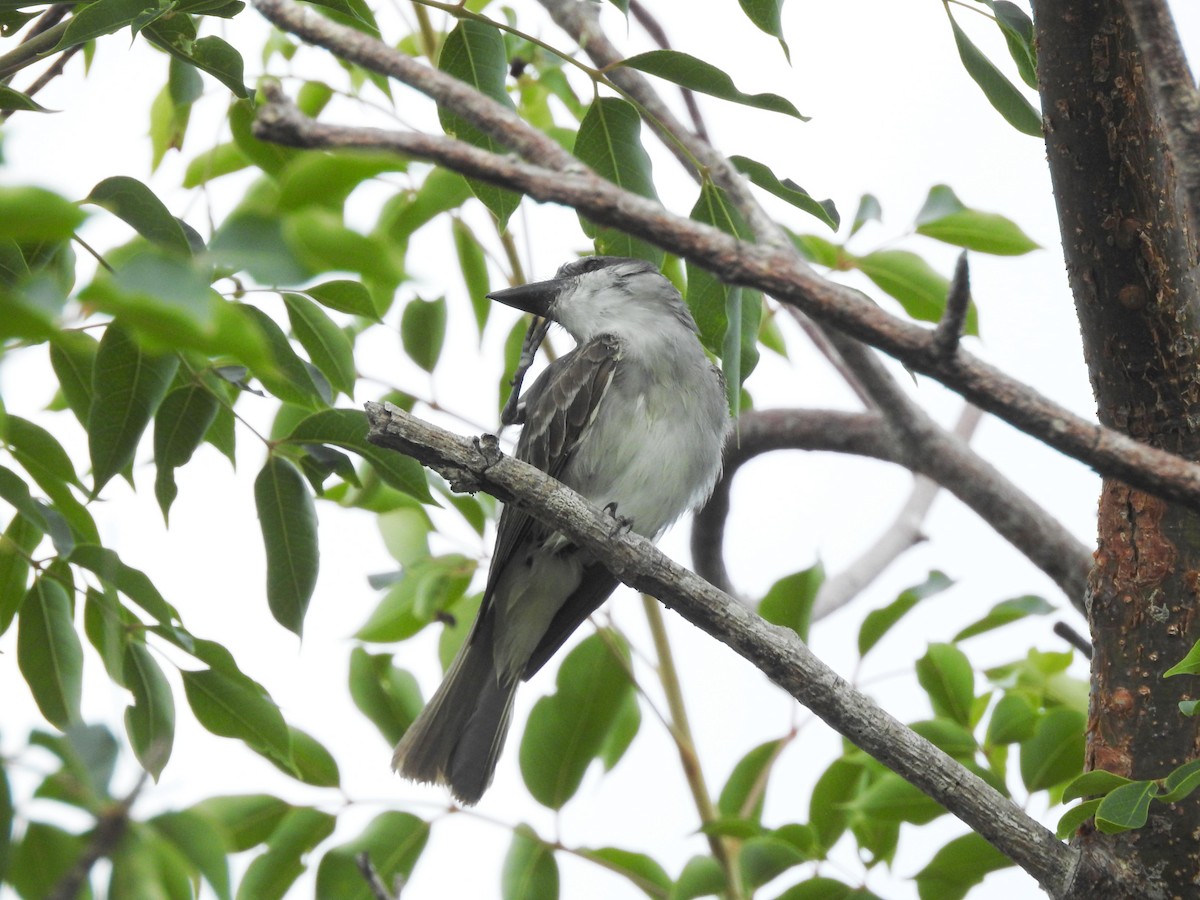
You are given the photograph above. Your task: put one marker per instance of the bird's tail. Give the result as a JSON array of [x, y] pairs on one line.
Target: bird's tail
[[458, 736]]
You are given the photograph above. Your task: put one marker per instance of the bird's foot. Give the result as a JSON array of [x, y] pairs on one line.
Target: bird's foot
[[621, 524]]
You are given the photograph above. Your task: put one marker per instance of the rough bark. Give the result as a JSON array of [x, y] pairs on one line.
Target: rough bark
[[470, 465], [1131, 253]]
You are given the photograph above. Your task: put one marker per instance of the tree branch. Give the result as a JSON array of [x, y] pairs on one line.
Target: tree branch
[[774, 271], [105, 837], [775, 651], [951, 464]]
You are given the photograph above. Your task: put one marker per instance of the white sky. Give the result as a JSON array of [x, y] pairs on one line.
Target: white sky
[[893, 113]]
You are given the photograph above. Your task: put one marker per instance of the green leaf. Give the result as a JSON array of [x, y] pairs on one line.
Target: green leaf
[[745, 790], [209, 54], [868, 210], [100, 18], [272, 873], [701, 877], [245, 820], [15, 492], [1055, 752], [609, 142], [892, 799], [423, 331], [530, 869], [49, 653], [254, 242], [150, 722], [328, 179], [912, 281], [1189, 665], [347, 428], [6, 820], [1096, 783], [18, 542], [43, 856], [1000, 92], [129, 384], [327, 345], [311, 763], [289, 528], [322, 242], [821, 888], [393, 841], [951, 737], [73, 356], [642, 870], [766, 857], [945, 218], [568, 729], [1126, 807], [1007, 611], [15, 100], [182, 421], [222, 159], [283, 372], [424, 592], [1074, 817], [44, 458], [474, 52], [830, 800], [473, 265], [202, 841], [238, 708], [790, 599], [1013, 720], [1017, 28], [130, 200], [727, 316], [765, 14], [30, 214], [697, 75], [787, 190], [1181, 782], [131, 582], [389, 696], [345, 296], [958, 867], [947, 677], [879, 622]]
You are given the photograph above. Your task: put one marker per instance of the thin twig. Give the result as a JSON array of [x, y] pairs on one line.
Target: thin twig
[[378, 889], [949, 330], [1074, 638], [110, 828], [681, 730]]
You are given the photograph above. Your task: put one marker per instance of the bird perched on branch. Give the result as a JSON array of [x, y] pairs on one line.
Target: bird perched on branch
[[634, 419]]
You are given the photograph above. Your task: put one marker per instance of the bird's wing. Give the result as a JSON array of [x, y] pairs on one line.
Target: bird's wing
[[559, 407]]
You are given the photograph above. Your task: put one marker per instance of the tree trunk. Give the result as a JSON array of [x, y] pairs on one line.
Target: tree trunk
[[1119, 172]]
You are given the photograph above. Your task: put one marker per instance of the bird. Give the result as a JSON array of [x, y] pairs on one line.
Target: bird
[[635, 419]]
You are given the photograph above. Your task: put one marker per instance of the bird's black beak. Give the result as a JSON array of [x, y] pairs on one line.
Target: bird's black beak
[[536, 298]]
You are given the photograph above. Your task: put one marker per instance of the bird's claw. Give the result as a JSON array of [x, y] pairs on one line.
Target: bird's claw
[[621, 524], [488, 446]]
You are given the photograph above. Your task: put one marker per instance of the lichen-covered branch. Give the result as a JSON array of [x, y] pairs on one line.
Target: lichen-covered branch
[[775, 651]]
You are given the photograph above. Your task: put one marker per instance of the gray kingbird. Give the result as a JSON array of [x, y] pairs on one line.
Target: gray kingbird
[[634, 419]]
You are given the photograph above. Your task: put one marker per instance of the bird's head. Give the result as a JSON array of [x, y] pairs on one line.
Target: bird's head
[[602, 294]]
